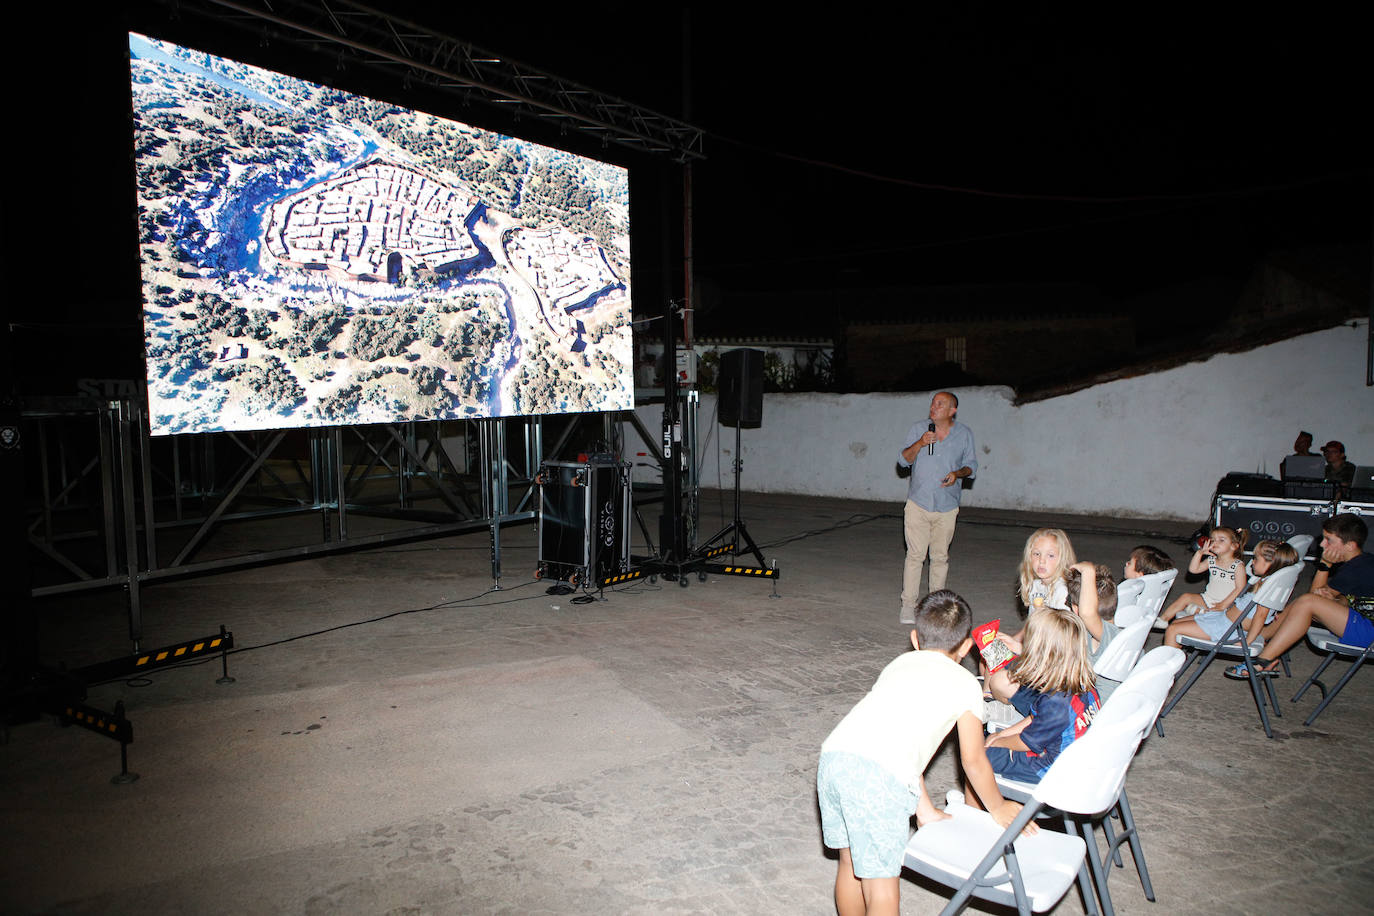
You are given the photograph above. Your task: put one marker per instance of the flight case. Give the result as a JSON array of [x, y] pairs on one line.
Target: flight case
[[584, 520]]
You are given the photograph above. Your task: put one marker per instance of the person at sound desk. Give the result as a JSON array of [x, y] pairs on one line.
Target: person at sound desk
[[1338, 470]]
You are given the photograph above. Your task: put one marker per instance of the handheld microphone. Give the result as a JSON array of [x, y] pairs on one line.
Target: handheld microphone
[[930, 449]]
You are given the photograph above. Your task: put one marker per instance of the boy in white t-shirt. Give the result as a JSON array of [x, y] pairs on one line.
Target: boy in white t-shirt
[[870, 780]]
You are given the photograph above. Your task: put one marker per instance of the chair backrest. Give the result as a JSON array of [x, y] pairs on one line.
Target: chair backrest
[[1156, 589], [1124, 651], [1166, 657], [1128, 592], [1087, 776], [1127, 614], [1154, 683], [1274, 592], [1301, 543]]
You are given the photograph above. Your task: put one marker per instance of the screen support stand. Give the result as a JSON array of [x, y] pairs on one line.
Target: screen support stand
[[727, 540], [675, 559]]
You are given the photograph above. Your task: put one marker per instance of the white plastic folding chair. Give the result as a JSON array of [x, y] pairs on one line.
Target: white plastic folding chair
[[1165, 658], [1128, 592], [1330, 644], [1301, 543], [1122, 653], [1161, 663], [1273, 594], [1151, 682], [1152, 676], [970, 852], [1127, 614], [1156, 590]]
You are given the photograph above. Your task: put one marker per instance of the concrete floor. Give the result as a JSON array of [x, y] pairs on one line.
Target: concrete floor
[[514, 752]]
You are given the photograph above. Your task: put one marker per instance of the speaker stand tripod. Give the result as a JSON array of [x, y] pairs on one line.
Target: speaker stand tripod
[[728, 539]]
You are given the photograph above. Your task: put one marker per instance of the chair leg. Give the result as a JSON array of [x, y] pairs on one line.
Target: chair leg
[[1084, 828], [1137, 850], [1339, 684], [1273, 697], [1178, 694], [1018, 885], [1258, 694], [1113, 844], [1085, 887], [1330, 657]]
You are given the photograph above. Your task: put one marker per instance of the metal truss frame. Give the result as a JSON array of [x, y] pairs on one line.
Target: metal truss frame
[[112, 507], [116, 508], [417, 53]]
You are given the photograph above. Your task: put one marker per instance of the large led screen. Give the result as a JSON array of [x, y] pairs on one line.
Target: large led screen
[[313, 258]]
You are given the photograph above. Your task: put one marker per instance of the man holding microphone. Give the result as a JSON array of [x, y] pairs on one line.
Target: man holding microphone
[[940, 453]]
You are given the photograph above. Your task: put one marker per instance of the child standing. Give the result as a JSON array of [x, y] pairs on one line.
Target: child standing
[[1270, 557], [1055, 696], [1220, 558], [870, 780]]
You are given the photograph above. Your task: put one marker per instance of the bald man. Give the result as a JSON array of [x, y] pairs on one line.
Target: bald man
[[940, 453]]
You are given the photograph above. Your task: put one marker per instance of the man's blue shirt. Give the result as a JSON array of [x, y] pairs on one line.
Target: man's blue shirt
[[952, 453]]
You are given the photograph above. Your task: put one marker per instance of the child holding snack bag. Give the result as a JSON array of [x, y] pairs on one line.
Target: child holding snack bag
[[1054, 691]]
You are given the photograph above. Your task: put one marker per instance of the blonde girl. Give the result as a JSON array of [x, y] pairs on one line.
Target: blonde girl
[[1045, 562], [1055, 695], [1220, 558]]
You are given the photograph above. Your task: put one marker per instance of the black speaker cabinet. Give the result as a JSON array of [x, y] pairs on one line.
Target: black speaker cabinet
[[584, 521], [741, 388], [1242, 484]]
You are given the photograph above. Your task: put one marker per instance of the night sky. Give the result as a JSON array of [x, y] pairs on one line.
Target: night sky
[[974, 146]]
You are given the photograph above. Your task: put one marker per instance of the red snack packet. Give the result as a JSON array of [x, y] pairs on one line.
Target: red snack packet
[[996, 654]]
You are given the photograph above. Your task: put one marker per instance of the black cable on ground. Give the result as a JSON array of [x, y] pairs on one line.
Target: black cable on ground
[[859, 518], [143, 680]]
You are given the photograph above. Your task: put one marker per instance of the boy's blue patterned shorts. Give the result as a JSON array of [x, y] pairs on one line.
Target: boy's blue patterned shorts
[[866, 809]]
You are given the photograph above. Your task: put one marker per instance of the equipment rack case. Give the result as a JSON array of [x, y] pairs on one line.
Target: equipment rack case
[[584, 521], [1272, 517]]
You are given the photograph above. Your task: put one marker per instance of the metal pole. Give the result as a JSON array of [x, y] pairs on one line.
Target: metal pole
[[106, 424], [145, 454], [127, 505], [46, 481], [336, 437]]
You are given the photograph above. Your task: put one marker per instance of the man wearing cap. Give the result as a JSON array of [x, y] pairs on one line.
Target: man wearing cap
[[1338, 470]]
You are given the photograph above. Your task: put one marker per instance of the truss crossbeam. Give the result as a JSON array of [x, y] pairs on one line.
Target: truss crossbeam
[[378, 39]]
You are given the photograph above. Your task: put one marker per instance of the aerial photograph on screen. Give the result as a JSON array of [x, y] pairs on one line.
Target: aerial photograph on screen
[[315, 258]]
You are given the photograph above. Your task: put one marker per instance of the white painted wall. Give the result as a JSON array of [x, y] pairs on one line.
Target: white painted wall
[[1152, 446]]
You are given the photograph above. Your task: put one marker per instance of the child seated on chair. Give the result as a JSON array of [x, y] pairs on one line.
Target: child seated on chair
[[1045, 561], [1341, 598], [1146, 560], [870, 780], [1091, 594], [1054, 693], [1270, 557], [1220, 558]]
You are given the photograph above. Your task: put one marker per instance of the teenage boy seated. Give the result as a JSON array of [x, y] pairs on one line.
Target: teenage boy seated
[[1341, 598]]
